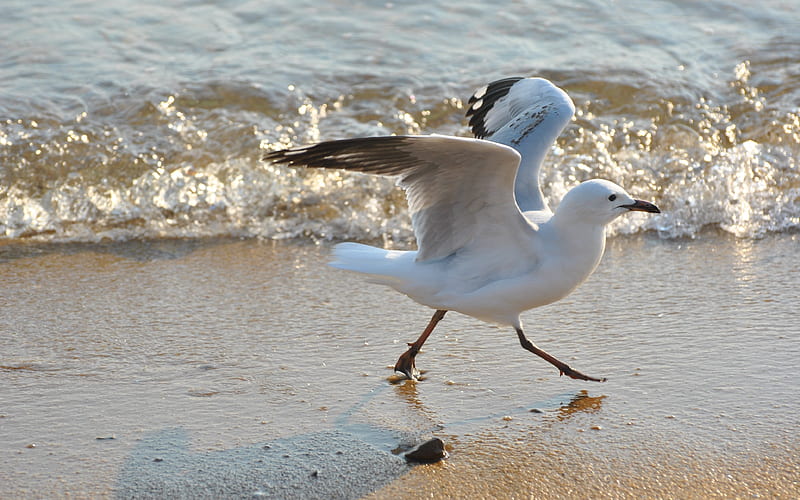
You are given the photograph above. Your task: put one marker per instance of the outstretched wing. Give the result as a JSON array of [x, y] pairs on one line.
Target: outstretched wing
[[526, 114], [460, 191]]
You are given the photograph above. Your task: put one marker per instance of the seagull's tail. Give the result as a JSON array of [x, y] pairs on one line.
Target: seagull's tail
[[386, 267]]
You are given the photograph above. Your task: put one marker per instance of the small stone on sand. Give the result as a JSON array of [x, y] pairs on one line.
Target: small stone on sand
[[428, 452]]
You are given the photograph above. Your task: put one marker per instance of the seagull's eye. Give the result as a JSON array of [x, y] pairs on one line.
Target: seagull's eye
[[612, 197]]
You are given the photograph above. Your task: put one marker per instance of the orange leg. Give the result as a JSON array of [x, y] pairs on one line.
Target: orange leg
[[563, 368], [405, 364]]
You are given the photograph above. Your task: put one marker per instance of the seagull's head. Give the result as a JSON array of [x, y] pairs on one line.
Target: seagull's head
[[599, 201]]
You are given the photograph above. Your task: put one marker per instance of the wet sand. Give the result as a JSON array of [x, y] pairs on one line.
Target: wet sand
[[249, 369]]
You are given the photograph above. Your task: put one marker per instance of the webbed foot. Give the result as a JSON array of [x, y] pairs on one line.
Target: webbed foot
[[572, 373], [405, 364]]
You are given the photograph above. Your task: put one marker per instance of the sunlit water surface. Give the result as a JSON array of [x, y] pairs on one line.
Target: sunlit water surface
[[123, 120]]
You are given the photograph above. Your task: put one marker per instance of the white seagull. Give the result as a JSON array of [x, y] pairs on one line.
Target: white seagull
[[488, 245]]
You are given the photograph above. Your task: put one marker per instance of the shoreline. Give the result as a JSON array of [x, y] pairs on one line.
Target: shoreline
[[246, 368]]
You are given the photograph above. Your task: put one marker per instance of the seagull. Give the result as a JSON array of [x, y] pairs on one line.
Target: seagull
[[488, 245]]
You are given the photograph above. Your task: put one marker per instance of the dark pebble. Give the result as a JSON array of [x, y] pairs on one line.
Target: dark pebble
[[536, 410], [428, 452], [158, 460]]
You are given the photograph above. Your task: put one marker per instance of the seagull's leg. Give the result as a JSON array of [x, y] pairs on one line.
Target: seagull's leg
[[406, 362], [563, 368]]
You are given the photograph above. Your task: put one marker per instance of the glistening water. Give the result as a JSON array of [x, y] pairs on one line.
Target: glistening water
[[125, 121]]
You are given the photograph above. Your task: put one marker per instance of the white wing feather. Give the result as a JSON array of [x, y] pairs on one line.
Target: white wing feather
[[460, 191], [526, 114]]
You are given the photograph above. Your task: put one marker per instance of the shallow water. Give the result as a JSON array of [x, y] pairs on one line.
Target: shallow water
[[198, 354]]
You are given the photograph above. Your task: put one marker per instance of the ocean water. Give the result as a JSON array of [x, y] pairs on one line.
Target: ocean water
[[122, 120]]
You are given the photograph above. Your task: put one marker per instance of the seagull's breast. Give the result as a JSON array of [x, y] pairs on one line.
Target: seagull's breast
[[502, 301], [560, 266]]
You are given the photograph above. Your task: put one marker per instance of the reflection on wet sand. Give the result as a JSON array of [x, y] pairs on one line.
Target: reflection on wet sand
[[581, 402], [563, 406], [408, 393]]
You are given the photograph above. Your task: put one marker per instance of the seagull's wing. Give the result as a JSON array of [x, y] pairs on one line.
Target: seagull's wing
[[460, 191], [527, 114]]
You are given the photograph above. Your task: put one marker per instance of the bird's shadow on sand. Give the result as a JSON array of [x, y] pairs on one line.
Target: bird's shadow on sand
[[326, 464], [349, 461]]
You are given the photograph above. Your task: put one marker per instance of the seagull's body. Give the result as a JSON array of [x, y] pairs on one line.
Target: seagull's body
[[490, 282], [488, 244]]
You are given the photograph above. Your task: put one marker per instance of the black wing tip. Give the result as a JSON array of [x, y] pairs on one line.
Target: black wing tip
[[383, 155], [502, 84], [283, 155], [273, 156], [325, 148], [483, 100]]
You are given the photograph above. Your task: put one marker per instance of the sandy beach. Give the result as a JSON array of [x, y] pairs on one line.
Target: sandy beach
[[228, 368]]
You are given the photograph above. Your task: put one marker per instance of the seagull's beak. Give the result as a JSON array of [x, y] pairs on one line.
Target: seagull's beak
[[642, 206]]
